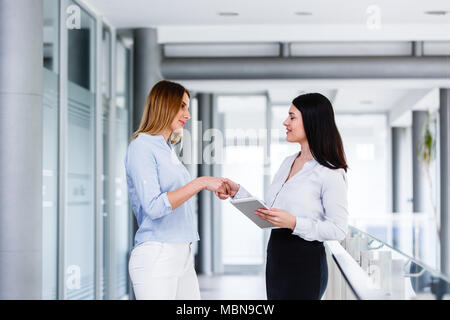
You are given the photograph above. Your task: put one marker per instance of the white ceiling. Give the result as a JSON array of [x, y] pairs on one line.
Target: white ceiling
[[146, 13], [348, 96], [198, 21], [367, 98], [269, 20]]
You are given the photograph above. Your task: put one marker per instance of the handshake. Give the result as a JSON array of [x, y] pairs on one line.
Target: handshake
[[222, 187]]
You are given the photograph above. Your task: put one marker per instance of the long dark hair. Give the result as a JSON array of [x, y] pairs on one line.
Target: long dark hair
[[323, 136]]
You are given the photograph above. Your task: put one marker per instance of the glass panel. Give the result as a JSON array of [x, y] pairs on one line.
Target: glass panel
[[244, 120], [122, 79], [365, 143], [122, 137], [395, 274], [80, 224], [50, 151], [189, 155], [413, 234], [51, 35], [105, 197], [81, 53], [106, 58], [106, 101]]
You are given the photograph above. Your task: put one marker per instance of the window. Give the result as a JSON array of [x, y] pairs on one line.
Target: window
[[122, 137], [366, 144], [243, 123], [50, 151], [80, 217]]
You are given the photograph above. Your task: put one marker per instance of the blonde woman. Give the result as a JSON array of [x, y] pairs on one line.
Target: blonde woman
[[161, 262]]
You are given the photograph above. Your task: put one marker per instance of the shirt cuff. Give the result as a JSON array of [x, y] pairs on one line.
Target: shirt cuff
[[167, 203], [301, 226], [237, 194], [242, 193]]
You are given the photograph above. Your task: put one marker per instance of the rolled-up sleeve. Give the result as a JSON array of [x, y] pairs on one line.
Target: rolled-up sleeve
[[142, 168], [334, 201]]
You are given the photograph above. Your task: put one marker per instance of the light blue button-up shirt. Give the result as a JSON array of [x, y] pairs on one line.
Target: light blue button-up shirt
[[153, 170]]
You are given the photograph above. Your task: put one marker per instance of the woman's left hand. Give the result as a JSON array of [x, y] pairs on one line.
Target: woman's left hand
[[277, 217]]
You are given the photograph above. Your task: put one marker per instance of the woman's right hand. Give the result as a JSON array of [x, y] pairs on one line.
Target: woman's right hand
[[213, 184], [232, 187]]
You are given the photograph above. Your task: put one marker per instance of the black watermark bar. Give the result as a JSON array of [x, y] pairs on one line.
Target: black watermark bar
[[220, 309]]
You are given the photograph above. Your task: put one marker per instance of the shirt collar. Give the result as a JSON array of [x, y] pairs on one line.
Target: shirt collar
[[157, 137]]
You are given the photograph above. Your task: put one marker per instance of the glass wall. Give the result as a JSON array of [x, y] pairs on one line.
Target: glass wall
[[365, 139], [80, 216], [122, 138], [50, 150], [243, 122], [86, 228], [106, 102]]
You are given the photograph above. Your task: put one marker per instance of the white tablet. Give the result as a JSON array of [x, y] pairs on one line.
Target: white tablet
[[248, 206]]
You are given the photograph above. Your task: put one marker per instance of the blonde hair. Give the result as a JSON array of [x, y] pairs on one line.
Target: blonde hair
[[162, 105]]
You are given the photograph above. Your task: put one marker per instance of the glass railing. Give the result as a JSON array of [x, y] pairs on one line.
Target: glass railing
[[412, 234], [396, 272]]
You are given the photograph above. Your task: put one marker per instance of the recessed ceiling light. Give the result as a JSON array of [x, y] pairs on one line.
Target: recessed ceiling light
[[228, 14], [437, 12], [303, 13]]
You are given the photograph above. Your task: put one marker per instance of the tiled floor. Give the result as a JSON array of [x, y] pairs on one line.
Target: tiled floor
[[232, 287]]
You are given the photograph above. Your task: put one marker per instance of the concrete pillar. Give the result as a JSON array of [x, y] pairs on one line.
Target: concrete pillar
[[146, 69], [417, 48], [205, 201], [419, 179], [146, 73], [444, 116], [285, 49], [21, 63]]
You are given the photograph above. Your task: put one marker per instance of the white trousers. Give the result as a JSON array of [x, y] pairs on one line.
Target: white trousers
[[163, 271]]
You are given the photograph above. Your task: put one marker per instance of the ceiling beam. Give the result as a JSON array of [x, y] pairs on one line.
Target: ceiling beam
[[429, 67]]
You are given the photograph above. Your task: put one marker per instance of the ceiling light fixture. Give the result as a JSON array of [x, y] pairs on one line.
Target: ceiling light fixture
[[436, 12], [228, 14], [303, 13]]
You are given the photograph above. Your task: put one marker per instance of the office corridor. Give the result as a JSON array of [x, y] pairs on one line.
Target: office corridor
[[74, 80]]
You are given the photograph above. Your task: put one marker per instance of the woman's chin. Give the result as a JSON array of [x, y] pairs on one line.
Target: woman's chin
[[176, 129]]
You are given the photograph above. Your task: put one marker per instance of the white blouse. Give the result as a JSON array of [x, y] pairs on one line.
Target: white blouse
[[316, 195]]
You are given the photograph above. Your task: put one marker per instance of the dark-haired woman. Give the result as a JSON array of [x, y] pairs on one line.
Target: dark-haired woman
[[307, 201]]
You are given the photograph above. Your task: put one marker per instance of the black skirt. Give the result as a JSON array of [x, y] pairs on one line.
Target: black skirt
[[296, 268]]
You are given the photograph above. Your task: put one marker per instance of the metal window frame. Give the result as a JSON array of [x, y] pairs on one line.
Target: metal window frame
[[111, 162], [106, 250], [216, 218]]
